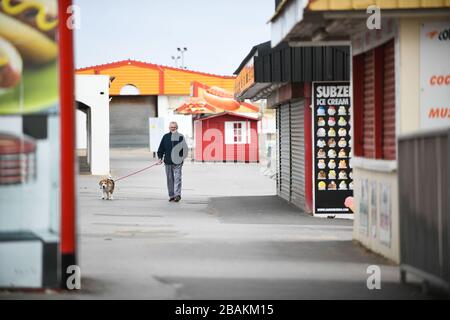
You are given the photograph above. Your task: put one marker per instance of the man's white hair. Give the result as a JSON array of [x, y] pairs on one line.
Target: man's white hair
[[173, 122]]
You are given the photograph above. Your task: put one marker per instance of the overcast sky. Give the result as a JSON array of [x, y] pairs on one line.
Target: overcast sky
[[217, 33]]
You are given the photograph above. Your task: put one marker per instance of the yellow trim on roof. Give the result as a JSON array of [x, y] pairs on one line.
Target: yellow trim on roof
[[335, 5]]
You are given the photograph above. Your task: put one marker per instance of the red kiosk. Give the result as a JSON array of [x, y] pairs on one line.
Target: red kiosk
[[225, 129]]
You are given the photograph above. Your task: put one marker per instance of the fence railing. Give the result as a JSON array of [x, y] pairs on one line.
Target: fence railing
[[423, 168]]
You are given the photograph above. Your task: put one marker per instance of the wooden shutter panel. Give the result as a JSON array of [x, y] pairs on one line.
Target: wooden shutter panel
[[389, 141], [368, 121]]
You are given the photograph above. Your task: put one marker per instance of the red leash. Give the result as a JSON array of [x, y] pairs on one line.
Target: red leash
[[133, 173]]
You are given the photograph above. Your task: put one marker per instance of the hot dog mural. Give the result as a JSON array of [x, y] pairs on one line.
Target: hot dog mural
[[206, 99], [28, 56], [30, 143]]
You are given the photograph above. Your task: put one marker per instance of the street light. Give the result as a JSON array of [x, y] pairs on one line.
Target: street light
[[182, 50], [175, 59]]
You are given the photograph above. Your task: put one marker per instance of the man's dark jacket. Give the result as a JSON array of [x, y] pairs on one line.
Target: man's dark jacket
[[166, 146]]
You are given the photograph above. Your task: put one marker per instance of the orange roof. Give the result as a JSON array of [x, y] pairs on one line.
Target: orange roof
[[153, 79], [324, 5]]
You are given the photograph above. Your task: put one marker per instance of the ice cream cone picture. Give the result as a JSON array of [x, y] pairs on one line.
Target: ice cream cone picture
[[332, 164], [321, 111], [321, 154], [350, 186], [342, 154], [331, 143], [342, 111], [342, 143], [331, 121], [322, 175], [331, 153], [342, 122], [331, 111], [332, 132], [321, 132], [342, 185], [342, 175], [321, 164], [332, 175], [342, 132], [322, 185], [321, 143], [332, 185], [321, 122], [342, 164]]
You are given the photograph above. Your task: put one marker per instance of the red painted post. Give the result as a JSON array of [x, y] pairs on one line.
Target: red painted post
[[307, 126], [67, 116], [357, 104]]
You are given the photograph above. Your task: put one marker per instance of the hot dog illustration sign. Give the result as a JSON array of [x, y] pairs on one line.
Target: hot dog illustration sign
[[333, 182], [28, 56]]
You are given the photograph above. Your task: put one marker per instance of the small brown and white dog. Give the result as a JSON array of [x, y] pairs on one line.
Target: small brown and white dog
[[107, 187]]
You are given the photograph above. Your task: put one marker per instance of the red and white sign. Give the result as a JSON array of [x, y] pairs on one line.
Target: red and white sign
[[435, 75]]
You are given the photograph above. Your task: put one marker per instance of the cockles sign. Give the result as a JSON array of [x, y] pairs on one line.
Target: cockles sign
[[435, 75]]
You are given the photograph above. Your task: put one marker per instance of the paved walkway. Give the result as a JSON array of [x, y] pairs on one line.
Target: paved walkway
[[229, 238]]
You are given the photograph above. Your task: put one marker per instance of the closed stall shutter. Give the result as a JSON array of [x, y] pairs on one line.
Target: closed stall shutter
[[285, 153], [368, 121], [297, 155], [278, 135], [389, 102], [128, 120]]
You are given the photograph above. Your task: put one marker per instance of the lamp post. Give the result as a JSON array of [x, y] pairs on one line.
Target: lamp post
[[175, 59], [182, 51]]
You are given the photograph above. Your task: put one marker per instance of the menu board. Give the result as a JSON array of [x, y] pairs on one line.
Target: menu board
[[333, 180]]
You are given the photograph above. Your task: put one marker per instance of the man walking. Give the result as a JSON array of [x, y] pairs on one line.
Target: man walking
[[173, 149]]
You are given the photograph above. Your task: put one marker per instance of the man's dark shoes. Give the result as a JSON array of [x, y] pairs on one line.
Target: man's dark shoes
[[177, 198], [172, 199]]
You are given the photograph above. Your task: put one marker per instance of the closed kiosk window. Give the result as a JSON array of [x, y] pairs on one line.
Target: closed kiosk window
[[237, 132], [374, 103]]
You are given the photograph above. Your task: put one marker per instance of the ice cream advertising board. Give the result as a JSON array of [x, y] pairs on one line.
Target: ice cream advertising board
[[332, 174]]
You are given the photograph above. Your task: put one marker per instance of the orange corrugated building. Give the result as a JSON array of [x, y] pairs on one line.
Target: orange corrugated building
[[153, 79]]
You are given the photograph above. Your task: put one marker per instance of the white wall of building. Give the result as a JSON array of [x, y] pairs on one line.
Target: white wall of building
[[81, 142], [93, 91], [166, 107]]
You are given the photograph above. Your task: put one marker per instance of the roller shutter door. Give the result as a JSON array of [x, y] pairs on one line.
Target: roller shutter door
[[285, 153], [297, 155], [278, 135], [128, 118]]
